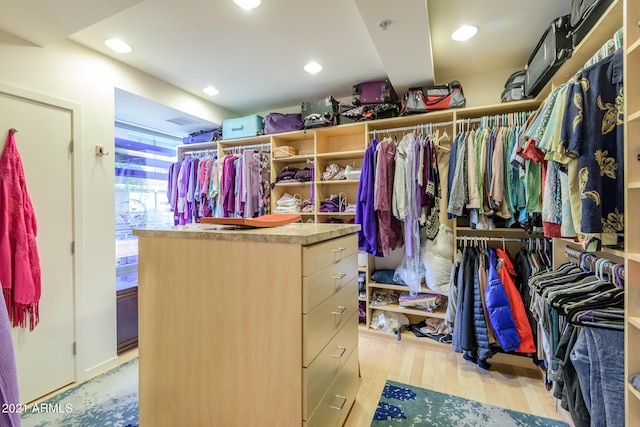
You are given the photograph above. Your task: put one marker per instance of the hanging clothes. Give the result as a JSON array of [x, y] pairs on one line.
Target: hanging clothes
[[20, 273], [487, 175], [499, 308], [365, 210], [237, 185], [581, 318], [489, 314], [593, 132], [390, 235], [507, 275], [9, 393]]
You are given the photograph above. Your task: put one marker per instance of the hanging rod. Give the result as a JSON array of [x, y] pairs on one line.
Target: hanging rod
[[422, 125], [493, 117], [495, 239], [248, 147], [591, 261], [199, 152]]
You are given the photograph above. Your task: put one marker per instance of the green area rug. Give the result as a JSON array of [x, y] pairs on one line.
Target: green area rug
[[109, 399], [404, 405]]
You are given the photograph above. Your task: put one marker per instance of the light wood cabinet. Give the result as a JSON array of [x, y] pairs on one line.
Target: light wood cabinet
[[233, 333], [632, 203]]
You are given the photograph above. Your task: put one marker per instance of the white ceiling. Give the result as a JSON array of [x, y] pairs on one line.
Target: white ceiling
[[255, 58]]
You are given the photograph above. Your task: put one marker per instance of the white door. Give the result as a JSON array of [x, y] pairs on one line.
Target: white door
[[44, 357]]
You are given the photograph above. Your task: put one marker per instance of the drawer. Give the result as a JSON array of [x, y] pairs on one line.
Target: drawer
[[322, 323], [317, 257], [335, 405], [317, 378], [323, 283]]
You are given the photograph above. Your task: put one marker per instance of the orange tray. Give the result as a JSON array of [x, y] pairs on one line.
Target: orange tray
[[269, 220]]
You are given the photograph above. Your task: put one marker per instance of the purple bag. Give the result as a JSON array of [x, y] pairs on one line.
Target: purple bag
[[279, 122], [203, 136]]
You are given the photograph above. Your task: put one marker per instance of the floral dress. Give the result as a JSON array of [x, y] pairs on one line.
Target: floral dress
[[592, 131]]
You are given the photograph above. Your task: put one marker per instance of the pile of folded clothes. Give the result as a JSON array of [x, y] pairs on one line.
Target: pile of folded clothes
[[420, 301], [333, 172], [291, 173], [331, 204], [288, 204]]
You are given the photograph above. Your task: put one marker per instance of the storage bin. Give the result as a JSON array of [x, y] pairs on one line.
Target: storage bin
[[242, 127], [351, 173], [284, 151]]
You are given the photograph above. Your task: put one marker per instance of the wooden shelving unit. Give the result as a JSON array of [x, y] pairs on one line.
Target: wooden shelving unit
[[632, 204]]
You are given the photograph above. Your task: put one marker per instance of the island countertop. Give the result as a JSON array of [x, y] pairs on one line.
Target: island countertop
[[297, 233]]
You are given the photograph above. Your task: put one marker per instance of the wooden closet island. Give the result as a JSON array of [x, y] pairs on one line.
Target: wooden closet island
[[248, 327]]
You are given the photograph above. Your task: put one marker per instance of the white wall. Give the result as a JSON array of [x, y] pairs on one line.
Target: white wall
[[68, 71], [485, 88]]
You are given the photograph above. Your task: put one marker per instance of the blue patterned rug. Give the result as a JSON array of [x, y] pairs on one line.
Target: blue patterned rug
[[109, 399], [409, 406]]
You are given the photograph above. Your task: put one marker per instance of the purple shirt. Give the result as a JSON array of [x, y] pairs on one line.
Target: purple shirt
[[365, 214]]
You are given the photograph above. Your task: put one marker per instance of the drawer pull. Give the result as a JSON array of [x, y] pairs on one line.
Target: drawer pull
[[339, 408], [341, 308], [341, 354], [339, 276], [339, 250]]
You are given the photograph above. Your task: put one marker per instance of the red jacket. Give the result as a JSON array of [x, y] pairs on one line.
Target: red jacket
[[507, 274]]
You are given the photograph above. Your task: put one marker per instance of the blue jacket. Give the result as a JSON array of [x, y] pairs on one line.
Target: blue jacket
[[499, 309]]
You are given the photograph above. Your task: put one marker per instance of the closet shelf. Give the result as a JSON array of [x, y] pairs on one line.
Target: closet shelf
[[635, 184], [292, 184], [338, 182], [405, 336], [438, 314], [634, 321], [633, 391], [342, 155], [292, 159], [335, 213], [614, 252], [373, 284], [633, 256], [609, 252], [633, 116], [502, 232], [632, 48]]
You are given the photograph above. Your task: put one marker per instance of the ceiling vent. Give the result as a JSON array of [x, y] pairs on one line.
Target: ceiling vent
[[181, 121]]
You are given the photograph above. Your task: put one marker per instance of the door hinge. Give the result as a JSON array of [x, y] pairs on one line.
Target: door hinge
[[74, 348], [73, 247], [71, 146]]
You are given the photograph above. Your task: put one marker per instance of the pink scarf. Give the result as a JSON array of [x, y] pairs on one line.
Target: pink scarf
[[19, 261]]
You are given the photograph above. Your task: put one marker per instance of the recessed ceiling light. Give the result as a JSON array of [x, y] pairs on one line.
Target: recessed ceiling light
[[247, 4], [464, 33], [211, 91], [313, 67], [118, 45]]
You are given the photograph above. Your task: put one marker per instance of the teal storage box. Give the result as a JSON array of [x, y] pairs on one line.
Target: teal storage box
[[243, 127]]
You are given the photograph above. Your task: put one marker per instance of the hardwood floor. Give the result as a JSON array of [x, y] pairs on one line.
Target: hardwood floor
[[436, 368], [520, 388]]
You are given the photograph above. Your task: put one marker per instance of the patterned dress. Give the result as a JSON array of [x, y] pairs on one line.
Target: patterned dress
[[592, 131]]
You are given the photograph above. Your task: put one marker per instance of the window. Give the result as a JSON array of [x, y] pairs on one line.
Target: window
[[142, 161]]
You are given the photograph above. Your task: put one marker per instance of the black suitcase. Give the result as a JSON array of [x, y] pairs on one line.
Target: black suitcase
[[553, 49], [346, 115], [323, 112], [377, 92], [514, 87], [584, 15]]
